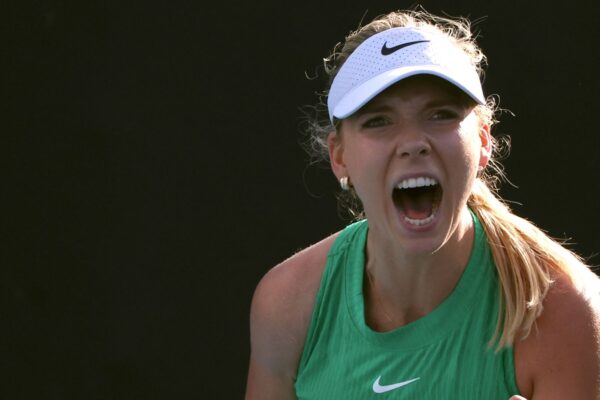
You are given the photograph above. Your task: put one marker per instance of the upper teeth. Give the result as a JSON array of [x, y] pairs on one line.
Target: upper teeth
[[416, 182]]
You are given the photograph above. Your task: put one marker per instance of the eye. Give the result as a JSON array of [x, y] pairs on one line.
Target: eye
[[375, 122], [445, 114]]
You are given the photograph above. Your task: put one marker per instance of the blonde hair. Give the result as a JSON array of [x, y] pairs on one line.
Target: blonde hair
[[527, 260]]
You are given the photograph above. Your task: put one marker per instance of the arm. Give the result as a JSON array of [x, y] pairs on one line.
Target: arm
[[561, 358], [275, 349], [279, 319]]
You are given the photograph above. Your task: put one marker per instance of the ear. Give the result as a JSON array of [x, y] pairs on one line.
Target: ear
[[336, 154], [486, 145]]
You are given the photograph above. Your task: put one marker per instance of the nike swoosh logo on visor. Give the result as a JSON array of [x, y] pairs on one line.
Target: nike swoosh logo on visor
[[377, 388], [386, 51]]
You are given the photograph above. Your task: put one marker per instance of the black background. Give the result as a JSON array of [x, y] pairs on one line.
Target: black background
[[155, 173]]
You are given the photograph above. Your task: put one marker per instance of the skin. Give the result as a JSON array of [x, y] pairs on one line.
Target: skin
[[421, 126]]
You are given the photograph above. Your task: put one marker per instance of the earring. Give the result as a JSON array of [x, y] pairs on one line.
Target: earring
[[345, 183]]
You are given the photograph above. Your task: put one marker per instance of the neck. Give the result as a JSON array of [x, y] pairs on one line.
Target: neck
[[400, 287]]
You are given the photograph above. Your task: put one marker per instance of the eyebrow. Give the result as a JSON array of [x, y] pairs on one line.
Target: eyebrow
[[373, 107], [448, 99]]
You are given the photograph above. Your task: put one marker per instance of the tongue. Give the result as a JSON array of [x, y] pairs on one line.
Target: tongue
[[415, 203]]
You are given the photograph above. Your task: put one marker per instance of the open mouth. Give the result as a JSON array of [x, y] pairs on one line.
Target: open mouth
[[418, 199]]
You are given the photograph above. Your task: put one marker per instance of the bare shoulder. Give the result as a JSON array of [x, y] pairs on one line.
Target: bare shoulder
[[561, 357], [285, 296], [281, 310]]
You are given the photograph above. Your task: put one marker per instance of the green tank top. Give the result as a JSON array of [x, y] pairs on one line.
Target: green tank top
[[443, 355]]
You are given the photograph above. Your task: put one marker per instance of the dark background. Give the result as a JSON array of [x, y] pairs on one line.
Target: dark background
[[155, 174]]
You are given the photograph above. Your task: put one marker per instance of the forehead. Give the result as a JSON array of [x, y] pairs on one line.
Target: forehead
[[425, 86]]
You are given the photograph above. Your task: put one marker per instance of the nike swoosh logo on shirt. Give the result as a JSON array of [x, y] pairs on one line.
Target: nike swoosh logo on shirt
[[386, 51], [378, 388]]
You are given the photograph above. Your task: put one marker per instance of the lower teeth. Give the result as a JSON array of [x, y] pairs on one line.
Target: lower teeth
[[419, 222]]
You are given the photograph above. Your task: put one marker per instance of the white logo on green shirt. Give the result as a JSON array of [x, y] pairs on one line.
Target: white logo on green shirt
[[377, 388]]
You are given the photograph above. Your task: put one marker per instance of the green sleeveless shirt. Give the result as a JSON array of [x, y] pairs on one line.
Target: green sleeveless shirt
[[443, 355]]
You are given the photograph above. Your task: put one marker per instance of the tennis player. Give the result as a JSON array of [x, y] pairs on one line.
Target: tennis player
[[438, 290]]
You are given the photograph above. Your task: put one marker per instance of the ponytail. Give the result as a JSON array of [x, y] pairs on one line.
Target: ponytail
[[527, 261]]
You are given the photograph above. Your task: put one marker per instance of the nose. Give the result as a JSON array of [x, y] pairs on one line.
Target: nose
[[412, 143]]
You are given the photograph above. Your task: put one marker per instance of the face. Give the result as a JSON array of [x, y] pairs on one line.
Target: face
[[412, 155]]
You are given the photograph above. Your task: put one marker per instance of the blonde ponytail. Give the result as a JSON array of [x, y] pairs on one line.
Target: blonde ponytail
[[527, 261]]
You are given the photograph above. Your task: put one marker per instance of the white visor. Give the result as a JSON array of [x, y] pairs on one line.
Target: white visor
[[396, 54]]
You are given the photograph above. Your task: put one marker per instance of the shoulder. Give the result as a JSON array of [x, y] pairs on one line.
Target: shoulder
[[561, 356], [282, 306], [288, 290]]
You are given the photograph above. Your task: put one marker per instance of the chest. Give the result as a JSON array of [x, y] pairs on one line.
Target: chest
[[449, 369]]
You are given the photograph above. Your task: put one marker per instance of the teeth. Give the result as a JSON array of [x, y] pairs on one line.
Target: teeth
[[416, 182], [419, 222]]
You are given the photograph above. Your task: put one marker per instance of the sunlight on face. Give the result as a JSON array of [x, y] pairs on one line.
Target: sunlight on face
[[412, 155]]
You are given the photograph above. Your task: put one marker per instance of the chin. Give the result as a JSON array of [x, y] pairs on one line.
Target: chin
[[428, 235]]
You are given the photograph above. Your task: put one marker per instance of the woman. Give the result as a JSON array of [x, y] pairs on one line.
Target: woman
[[439, 292]]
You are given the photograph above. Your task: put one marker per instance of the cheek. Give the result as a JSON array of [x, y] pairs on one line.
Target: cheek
[[470, 157], [470, 142], [366, 165], [460, 154], [363, 158]]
